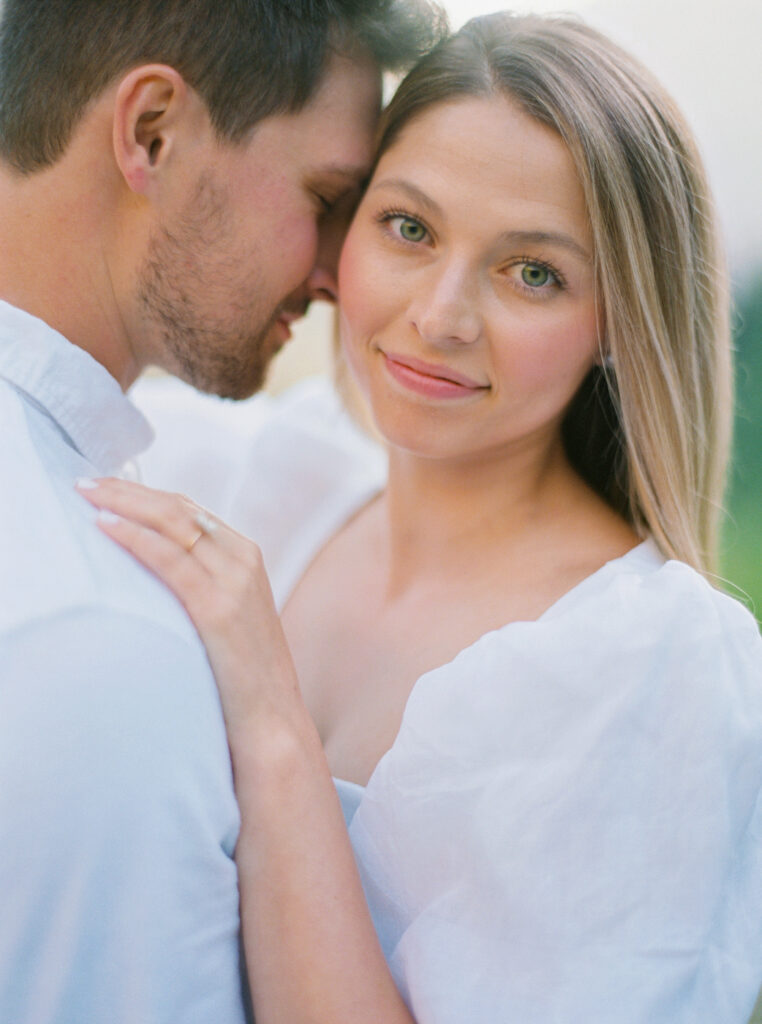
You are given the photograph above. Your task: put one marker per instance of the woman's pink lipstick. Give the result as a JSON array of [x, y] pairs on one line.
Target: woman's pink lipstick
[[430, 380]]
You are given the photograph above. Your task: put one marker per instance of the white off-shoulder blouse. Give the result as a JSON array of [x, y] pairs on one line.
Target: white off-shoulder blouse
[[568, 826]]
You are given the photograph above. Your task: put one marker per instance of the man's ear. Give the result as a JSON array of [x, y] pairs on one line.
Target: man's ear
[[152, 102]]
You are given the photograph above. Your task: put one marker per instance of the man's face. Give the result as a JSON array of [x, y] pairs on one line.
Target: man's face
[[256, 235]]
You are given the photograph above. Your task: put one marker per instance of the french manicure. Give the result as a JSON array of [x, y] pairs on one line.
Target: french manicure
[[84, 483], [104, 516]]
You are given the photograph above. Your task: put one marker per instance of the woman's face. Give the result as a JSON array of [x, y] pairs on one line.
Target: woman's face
[[468, 310]]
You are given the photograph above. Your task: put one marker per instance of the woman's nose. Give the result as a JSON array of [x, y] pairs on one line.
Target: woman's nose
[[446, 307]]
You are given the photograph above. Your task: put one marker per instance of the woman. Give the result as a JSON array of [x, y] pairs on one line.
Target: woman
[[547, 723]]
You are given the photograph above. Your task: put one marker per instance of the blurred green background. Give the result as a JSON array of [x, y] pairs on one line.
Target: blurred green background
[[742, 536]]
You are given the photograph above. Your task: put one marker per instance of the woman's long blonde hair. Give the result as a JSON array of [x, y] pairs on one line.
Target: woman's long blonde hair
[[650, 428]]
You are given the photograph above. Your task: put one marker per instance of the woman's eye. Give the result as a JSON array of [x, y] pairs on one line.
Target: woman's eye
[[534, 279], [409, 229], [535, 275]]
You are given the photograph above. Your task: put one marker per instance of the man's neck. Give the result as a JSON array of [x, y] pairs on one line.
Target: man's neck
[[54, 263]]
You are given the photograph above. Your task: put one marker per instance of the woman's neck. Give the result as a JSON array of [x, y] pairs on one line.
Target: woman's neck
[[441, 516]]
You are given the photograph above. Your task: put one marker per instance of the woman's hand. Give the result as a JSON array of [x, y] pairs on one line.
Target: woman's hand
[[219, 577], [311, 948]]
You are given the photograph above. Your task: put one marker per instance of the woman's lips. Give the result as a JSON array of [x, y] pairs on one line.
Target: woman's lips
[[429, 379]]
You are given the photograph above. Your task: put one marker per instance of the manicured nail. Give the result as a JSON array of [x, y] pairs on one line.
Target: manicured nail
[[104, 516], [84, 483]]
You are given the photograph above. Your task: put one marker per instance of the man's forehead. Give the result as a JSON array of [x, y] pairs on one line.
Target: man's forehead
[[349, 96]]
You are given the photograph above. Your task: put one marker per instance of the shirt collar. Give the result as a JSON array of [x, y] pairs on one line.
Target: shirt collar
[[74, 389]]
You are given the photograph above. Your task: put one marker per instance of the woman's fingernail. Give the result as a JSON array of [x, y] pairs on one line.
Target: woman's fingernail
[[84, 483], [104, 516]]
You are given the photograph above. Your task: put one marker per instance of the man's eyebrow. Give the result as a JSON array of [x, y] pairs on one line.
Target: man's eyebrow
[[353, 174], [558, 238]]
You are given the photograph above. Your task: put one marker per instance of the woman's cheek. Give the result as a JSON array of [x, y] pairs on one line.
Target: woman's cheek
[[351, 345], [359, 276], [350, 275]]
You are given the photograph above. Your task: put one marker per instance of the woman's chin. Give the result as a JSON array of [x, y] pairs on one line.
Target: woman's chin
[[423, 436]]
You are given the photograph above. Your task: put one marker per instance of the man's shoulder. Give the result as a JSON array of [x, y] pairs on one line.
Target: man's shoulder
[[54, 557]]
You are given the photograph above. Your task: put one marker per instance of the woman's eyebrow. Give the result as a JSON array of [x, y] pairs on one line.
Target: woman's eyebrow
[[546, 238], [416, 194]]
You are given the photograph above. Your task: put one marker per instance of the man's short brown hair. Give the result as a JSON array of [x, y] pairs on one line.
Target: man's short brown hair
[[247, 59]]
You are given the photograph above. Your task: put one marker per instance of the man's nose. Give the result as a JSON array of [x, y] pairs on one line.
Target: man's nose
[[322, 284]]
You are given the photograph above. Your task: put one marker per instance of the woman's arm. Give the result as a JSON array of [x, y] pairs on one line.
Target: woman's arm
[[311, 949]]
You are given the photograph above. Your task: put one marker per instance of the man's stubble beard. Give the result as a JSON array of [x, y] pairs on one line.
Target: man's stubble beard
[[201, 329]]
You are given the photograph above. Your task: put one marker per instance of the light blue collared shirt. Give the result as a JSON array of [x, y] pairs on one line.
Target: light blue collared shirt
[[117, 811]]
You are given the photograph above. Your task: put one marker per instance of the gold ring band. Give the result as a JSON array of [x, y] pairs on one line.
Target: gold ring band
[[206, 527], [189, 547]]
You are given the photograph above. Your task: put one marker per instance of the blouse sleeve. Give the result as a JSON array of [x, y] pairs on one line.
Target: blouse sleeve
[[308, 470], [286, 471], [568, 827], [201, 440]]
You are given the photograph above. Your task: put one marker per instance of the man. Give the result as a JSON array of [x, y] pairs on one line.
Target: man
[[175, 177]]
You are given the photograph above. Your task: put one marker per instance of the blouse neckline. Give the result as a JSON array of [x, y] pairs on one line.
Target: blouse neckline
[[354, 494]]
